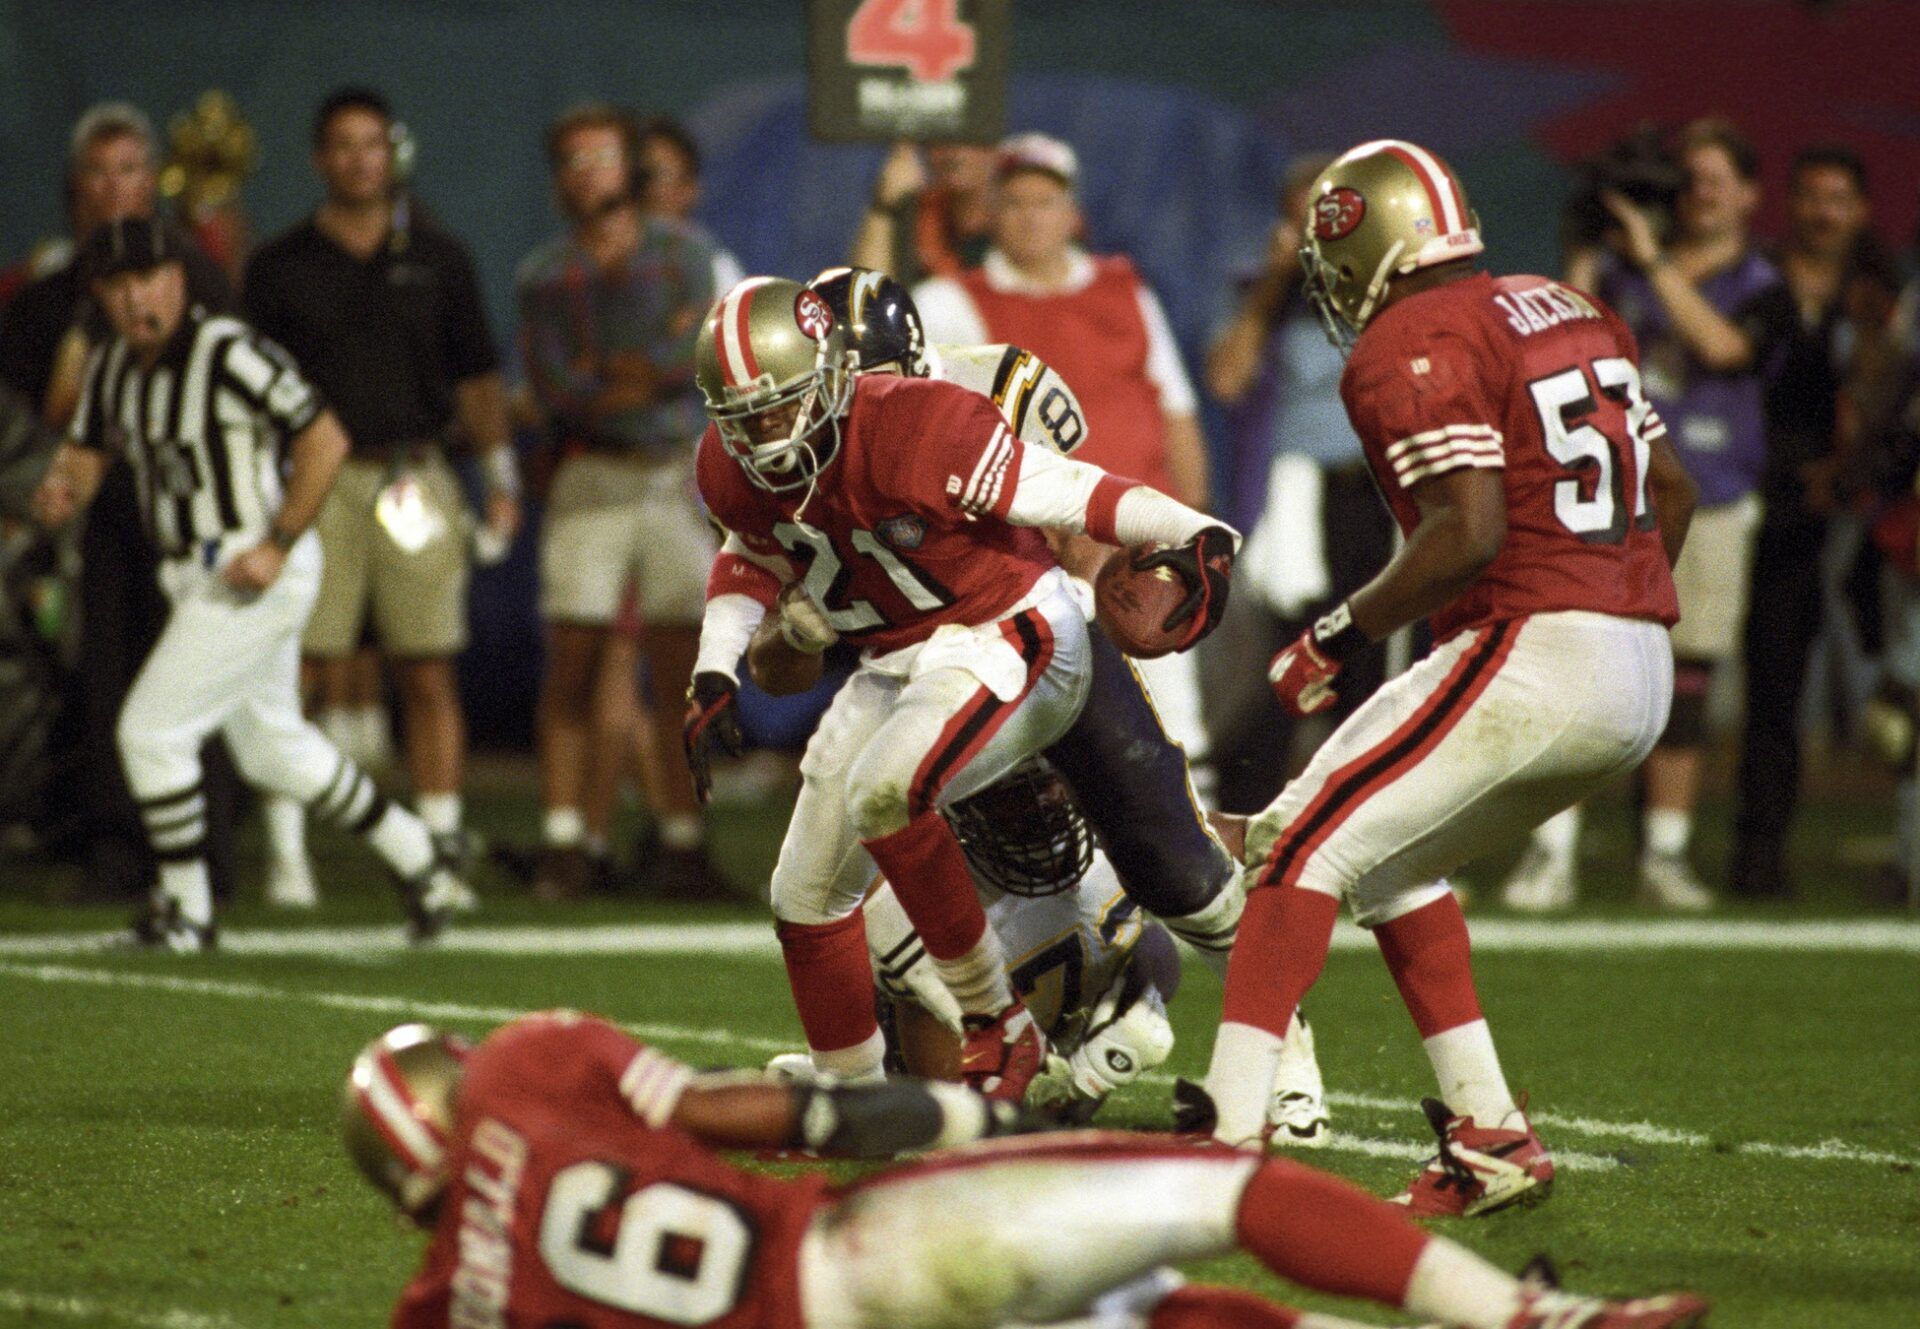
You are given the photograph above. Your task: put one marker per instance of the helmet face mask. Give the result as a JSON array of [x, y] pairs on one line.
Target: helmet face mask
[[396, 1114], [776, 373], [1023, 834], [1380, 211]]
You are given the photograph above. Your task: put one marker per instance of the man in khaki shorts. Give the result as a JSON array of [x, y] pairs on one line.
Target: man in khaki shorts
[[608, 314], [382, 309]]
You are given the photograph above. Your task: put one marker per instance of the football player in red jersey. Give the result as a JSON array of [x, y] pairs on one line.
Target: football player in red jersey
[[1542, 507], [910, 516], [568, 1176]]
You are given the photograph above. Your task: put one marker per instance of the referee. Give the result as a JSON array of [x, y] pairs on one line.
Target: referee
[[205, 408]]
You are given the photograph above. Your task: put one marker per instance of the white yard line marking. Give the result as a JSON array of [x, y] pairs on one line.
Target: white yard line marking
[[33, 1304], [1828, 1151], [1493, 936]]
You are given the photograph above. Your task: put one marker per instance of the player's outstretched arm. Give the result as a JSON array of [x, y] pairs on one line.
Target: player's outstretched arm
[[846, 1121], [1673, 494]]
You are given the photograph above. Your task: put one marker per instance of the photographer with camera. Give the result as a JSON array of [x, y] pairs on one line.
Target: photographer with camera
[[1708, 309]]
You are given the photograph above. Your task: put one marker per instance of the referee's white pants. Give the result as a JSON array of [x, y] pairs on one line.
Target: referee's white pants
[[227, 663], [1488, 736]]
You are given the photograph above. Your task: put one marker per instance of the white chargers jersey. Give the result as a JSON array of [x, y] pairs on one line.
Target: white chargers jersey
[[1037, 402], [1063, 951]]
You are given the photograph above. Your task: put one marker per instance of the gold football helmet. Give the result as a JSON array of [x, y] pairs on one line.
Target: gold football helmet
[[1381, 210], [396, 1112], [776, 370]]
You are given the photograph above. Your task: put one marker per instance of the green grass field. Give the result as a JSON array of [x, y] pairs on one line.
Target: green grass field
[[1745, 1121]]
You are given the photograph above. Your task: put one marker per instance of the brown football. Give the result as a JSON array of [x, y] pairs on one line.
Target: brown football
[[776, 668], [1131, 606]]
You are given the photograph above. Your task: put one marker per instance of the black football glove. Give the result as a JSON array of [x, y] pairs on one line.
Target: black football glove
[[713, 716], [1204, 564]]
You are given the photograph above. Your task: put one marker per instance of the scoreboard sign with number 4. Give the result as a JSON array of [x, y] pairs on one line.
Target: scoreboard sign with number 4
[[880, 70]]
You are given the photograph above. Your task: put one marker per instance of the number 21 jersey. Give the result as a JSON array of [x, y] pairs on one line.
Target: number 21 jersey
[[1541, 382]]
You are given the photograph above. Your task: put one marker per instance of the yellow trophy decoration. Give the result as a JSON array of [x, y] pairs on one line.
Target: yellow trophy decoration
[[211, 151]]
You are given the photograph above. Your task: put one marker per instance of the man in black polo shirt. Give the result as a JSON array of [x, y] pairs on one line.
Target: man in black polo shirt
[[381, 308]]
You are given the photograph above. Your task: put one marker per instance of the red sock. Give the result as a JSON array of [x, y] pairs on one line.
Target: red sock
[[1281, 949], [928, 872], [1320, 1232], [1202, 1306], [1430, 958], [832, 980]]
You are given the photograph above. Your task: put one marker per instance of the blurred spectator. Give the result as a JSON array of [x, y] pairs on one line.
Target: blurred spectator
[[1827, 212], [1101, 327], [26, 446], [1879, 423], [46, 334], [382, 310], [1709, 311], [931, 215], [670, 161], [1317, 529], [608, 316]]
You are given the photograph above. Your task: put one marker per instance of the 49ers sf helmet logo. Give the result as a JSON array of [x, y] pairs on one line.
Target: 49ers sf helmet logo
[[812, 314], [1337, 212]]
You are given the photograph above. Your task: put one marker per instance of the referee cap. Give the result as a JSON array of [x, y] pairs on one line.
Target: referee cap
[[130, 244]]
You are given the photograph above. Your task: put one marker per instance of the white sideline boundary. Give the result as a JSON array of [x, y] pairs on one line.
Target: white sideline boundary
[[1826, 1151], [756, 939], [87, 1311]]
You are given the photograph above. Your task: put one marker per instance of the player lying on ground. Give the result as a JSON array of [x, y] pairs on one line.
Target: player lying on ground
[[568, 1176], [1542, 507], [910, 515]]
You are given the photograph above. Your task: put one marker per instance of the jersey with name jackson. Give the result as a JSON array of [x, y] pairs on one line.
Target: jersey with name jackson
[[1542, 383], [205, 427]]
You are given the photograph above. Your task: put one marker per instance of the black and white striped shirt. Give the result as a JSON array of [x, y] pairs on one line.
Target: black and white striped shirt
[[205, 428]]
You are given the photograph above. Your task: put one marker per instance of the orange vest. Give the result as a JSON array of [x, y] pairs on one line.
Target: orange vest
[[1096, 339]]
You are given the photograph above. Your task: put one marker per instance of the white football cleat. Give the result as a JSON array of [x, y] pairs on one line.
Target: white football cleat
[[796, 1068], [1668, 881], [1539, 884], [290, 884], [1297, 1116]]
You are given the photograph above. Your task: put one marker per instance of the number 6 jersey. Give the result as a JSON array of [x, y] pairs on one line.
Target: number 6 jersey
[[908, 528], [574, 1203], [1538, 380]]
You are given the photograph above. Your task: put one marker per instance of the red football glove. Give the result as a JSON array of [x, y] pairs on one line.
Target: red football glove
[[1302, 676]]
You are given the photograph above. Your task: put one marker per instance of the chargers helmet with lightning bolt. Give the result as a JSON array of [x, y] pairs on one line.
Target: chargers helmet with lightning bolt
[[1380, 211], [776, 371], [882, 322]]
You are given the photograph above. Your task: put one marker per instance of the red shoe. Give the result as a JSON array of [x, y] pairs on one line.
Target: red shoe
[[1002, 1053], [1557, 1310], [1479, 1169]]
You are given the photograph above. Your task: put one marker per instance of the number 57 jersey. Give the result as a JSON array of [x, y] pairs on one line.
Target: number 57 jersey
[[906, 528], [1542, 382]]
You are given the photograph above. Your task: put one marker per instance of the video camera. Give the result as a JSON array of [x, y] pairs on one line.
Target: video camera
[[1639, 167]]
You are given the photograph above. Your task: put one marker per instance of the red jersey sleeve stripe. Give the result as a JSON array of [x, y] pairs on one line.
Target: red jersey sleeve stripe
[[1452, 461]]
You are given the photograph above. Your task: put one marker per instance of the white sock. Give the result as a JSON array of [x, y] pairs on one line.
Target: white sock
[[1211, 929], [402, 839], [1558, 835], [286, 822], [562, 828], [861, 1063], [375, 734], [189, 883], [1240, 1078], [978, 979], [681, 831], [1452, 1284], [1468, 1069], [441, 812], [1666, 831]]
